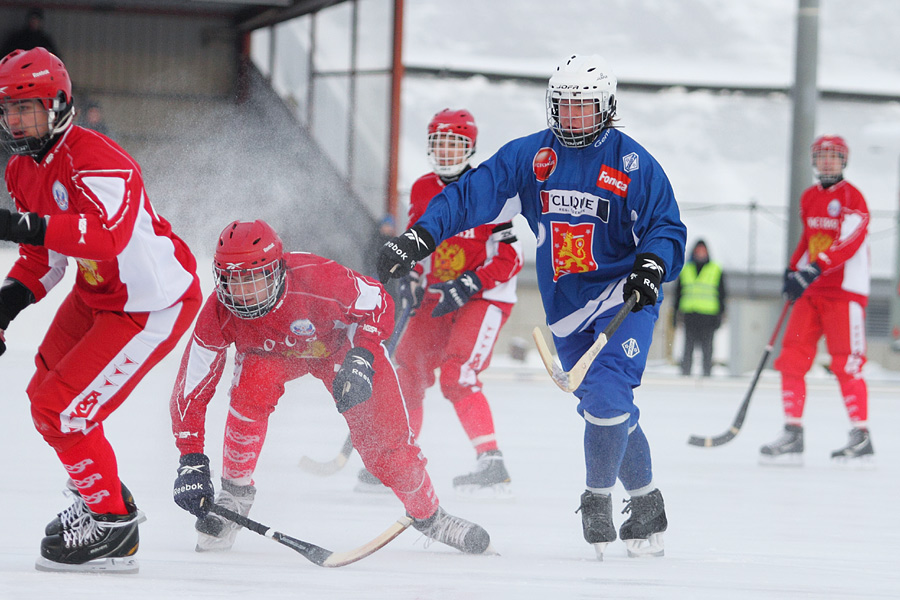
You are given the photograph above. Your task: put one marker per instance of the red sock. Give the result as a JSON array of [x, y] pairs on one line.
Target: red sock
[[856, 399], [91, 464], [243, 443], [474, 413], [793, 398]]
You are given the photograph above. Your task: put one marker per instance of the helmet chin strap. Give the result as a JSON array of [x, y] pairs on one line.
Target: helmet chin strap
[[829, 180]]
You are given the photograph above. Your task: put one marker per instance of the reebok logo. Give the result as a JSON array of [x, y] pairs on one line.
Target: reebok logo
[[652, 265], [358, 360], [40, 73], [414, 236], [613, 180]]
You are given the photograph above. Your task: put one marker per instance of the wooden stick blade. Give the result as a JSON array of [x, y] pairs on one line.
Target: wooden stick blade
[[560, 377], [323, 469], [340, 559]]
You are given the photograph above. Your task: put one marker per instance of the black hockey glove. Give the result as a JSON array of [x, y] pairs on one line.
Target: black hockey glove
[[646, 277], [796, 282], [14, 296], [22, 228], [399, 254], [193, 487], [410, 291], [353, 383], [455, 293]]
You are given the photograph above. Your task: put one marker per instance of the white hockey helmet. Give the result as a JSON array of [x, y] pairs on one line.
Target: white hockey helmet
[[584, 88]]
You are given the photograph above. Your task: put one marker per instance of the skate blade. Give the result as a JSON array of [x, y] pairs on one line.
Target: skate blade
[[498, 491], [211, 543], [791, 459], [126, 565], [651, 547], [854, 463], [599, 549]]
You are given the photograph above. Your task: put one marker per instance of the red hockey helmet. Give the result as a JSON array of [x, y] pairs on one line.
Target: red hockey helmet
[[830, 143], [27, 75], [249, 268], [451, 141]]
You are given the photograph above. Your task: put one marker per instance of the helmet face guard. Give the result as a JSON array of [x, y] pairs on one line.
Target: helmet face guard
[[580, 100], [451, 141], [35, 100], [249, 269], [829, 158], [250, 293]]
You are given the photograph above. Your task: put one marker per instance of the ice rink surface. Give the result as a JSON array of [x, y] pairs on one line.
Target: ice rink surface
[[736, 529]]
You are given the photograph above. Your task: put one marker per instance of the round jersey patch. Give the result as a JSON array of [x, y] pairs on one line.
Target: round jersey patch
[[834, 208], [303, 328], [60, 195], [544, 163]]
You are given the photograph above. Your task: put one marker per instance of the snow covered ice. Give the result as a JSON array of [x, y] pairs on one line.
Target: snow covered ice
[[736, 529]]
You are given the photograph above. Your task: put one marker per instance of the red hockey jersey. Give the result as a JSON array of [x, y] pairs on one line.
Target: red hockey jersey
[[128, 258], [325, 310], [835, 235], [491, 251]]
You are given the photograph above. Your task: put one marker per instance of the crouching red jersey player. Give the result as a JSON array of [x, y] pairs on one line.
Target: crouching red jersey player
[[289, 315]]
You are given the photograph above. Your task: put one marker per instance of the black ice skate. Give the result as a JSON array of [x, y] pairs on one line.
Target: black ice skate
[[642, 532], [369, 484], [67, 518], [94, 543], [597, 521], [858, 449], [786, 450], [490, 478], [217, 534], [454, 531]]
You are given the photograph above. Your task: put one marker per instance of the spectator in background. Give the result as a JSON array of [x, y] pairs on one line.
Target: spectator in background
[[92, 118], [32, 35], [700, 303]]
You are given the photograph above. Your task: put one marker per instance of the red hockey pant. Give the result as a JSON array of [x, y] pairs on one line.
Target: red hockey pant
[[379, 427], [88, 363], [461, 345], [843, 322]]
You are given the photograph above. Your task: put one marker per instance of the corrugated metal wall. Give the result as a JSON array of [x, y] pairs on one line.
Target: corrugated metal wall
[[140, 54]]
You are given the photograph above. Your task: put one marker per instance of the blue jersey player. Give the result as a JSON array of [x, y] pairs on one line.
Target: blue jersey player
[[607, 225]]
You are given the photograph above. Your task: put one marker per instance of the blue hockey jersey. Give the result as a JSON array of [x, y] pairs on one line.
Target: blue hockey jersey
[[592, 210]]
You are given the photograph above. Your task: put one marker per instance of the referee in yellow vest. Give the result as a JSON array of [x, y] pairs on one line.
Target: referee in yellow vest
[[700, 303]]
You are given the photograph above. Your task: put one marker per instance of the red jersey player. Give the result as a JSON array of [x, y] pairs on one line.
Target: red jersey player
[[828, 281], [289, 315], [78, 194], [471, 280]]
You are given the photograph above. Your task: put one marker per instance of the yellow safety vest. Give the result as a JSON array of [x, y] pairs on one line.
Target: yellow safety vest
[[700, 293]]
